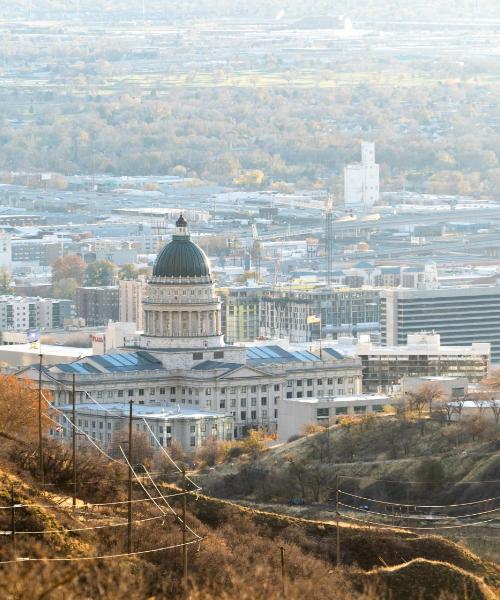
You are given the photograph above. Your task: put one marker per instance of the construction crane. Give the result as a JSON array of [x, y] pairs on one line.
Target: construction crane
[[277, 266], [256, 251], [329, 237]]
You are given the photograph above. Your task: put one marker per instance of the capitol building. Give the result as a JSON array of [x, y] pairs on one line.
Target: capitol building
[[181, 376]]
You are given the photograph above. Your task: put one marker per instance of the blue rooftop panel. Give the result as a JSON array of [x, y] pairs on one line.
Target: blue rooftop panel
[[305, 356], [334, 353], [208, 365]]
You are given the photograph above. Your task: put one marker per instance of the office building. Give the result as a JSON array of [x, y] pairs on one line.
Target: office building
[[40, 252], [241, 312], [423, 356], [130, 296], [97, 305], [342, 311], [461, 316], [297, 413]]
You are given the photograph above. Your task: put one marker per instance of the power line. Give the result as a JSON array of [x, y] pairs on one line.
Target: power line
[[385, 525], [420, 517], [97, 504], [102, 557], [418, 505], [43, 531], [414, 482], [197, 487], [169, 506], [81, 432], [96, 481]]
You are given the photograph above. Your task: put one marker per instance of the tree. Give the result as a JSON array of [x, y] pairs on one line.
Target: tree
[[251, 179], [445, 409], [128, 272], [100, 272], [492, 384], [70, 266], [18, 409], [142, 452], [5, 280], [452, 434], [210, 453], [494, 405], [65, 288], [254, 444], [475, 427], [422, 398]]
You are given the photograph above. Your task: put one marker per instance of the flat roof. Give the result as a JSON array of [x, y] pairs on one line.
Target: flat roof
[[48, 349], [437, 377], [121, 409], [333, 399], [474, 348], [481, 404]]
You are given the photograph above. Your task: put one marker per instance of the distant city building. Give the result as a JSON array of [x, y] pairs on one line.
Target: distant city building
[[284, 313], [362, 180], [118, 252], [461, 315], [35, 252], [297, 413], [452, 388], [97, 305], [130, 296], [19, 313], [241, 312], [5, 251], [423, 356]]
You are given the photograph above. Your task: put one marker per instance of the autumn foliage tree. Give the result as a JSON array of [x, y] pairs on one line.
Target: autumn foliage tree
[[67, 274], [70, 266], [18, 409]]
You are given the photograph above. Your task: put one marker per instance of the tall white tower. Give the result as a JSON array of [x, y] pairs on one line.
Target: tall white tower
[[362, 180]]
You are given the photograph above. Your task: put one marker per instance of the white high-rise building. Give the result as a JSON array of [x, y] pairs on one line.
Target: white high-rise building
[[130, 296], [362, 180]]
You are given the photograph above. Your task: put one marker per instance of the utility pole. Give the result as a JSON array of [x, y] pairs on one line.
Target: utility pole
[[283, 582], [184, 533], [13, 521], [40, 431], [337, 517], [74, 439], [130, 473]]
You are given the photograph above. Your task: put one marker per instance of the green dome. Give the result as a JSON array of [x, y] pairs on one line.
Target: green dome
[[181, 257]]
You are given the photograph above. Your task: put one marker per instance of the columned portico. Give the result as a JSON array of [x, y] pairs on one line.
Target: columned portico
[[181, 308]]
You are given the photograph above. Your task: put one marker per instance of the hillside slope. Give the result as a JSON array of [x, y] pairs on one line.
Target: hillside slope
[[240, 550]]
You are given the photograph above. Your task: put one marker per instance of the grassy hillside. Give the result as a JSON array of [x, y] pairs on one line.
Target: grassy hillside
[[385, 460], [239, 556], [438, 462]]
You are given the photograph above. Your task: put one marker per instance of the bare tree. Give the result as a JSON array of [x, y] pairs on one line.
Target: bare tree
[[422, 399], [492, 385]]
